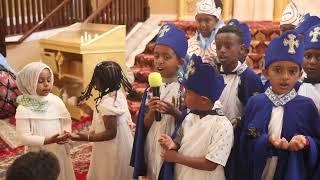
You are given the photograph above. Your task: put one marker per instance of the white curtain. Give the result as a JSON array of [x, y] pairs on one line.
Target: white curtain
[[253, 10]]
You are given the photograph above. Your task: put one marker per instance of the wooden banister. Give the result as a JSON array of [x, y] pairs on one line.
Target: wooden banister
[[41, 23], [2, 36], [122, 12], [97, 11]]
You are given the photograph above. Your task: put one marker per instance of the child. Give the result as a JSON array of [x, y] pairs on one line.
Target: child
[[204, 141], [110, 130], [241, 81], [279, 133], [41, 117], [246, 37], [170, 49], [290, 18], [34, 166], [311, 66], [307, 23], [208, 23]]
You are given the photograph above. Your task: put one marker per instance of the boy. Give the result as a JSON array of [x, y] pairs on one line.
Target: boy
[[279, 132], [241, 81], [203, 143], [311, 66], [169, 52], [307, 23], [246, 37], [34, 166], [208, 23]]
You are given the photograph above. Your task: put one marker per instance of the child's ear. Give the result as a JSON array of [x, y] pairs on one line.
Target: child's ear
[[265, 73], [300, 74], [205, 100], [243, 49], [180, 62]]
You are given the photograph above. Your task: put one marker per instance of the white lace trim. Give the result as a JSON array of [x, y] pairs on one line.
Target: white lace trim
[[280, 101]]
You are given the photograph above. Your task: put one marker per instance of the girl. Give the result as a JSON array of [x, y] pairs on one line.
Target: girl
[[111, 134], [42, 117]]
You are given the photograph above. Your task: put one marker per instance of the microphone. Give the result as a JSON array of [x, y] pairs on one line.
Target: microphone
[[155, 81]]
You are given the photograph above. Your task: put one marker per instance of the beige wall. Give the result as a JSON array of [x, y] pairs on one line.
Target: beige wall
[[20, 55], [163, 7]]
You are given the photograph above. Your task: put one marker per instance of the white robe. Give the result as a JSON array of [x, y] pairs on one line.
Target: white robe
[[231, 104], [166, 125], [275, 129], [33, 127], [210, 137], [311, 91], [110, 159]]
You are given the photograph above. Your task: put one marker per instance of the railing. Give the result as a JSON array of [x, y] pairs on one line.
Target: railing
[[22, 15], [127, 12], [2, 36]]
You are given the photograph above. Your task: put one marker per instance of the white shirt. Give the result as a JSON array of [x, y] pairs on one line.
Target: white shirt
[[210, 137]]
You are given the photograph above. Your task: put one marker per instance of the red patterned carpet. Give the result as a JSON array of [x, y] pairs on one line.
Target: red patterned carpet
[[80, 153]]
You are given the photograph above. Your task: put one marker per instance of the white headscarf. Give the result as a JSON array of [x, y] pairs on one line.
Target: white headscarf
[[31, 105], [291, 15], [27, 78], [208, 7]]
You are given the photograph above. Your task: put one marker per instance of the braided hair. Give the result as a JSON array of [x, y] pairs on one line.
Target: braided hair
[[110, 76]]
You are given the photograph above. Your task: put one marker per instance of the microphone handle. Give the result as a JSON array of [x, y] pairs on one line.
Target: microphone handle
[[156, 93]]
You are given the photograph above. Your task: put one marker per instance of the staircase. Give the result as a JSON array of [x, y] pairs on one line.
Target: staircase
[[261, 35]]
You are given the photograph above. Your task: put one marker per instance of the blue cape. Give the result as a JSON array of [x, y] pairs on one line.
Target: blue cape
[[250, 153]]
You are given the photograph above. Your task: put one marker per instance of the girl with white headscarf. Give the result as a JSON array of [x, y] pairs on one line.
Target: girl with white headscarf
[[42, 120]]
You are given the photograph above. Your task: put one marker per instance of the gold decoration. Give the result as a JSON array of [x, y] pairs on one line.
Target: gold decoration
[[315, 34], [292, 43], [163, 30], [190, 70]]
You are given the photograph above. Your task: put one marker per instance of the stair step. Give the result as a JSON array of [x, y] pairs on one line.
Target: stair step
[[141, 73]]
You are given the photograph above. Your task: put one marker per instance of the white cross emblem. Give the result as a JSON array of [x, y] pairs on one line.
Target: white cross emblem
[[190, 70], [315, 34], [163, 30], [292, 43]]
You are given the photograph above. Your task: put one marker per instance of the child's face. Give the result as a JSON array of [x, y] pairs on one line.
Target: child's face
[[166, 61], [205, 24], [311, 63], [194, 101], [283, 75], [44, 84], [229, 49]]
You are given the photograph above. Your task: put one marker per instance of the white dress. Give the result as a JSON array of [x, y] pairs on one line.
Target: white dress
[[210, 137], [33, 127], [110, 159], [167, 125]]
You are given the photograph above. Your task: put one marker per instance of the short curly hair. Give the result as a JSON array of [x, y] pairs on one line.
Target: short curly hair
[[34, 166]]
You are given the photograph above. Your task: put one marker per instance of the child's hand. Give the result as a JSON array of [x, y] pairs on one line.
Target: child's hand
[[297, 143], [167, 108], [234, 122], [166, 142], [63, 138], [153, 104], [169, 156], [279, 143], [85, 107]]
